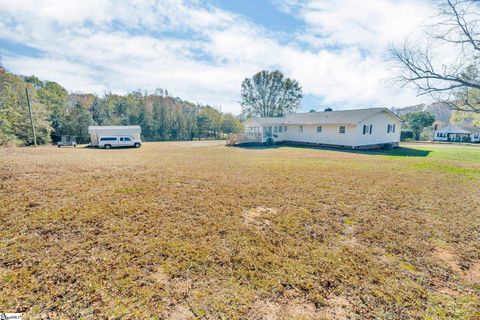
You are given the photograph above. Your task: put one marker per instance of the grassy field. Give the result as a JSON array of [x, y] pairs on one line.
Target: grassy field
[[199, 230]]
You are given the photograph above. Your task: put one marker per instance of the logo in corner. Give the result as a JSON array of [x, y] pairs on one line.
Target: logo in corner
[[10, 316]]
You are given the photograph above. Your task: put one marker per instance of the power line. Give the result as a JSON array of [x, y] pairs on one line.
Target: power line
[[31, 119]]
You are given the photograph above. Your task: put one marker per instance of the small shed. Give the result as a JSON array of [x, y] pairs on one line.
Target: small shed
[[134, 132]]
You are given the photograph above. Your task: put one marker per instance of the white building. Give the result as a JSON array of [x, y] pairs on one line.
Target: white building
[[362, 128], [460, 133], [134, 132]]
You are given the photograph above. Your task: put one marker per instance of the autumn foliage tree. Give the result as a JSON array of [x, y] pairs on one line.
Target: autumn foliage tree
[[56, 112]]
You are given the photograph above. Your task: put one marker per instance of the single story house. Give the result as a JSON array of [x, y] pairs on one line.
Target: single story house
[[457, 133], [362, 128], [134, 132]]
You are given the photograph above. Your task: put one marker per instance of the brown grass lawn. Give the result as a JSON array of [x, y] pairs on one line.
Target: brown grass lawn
[[199, 230]]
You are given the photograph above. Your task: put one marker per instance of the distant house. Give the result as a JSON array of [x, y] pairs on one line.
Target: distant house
[[96, 132], [362, 128], [457, 133]]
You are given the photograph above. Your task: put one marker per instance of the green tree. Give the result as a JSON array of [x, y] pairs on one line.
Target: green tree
[[460, 117], [77, 121], [417, 121], [14, 113], [231, 124], [270, 94], [55, 98], [209, 122]]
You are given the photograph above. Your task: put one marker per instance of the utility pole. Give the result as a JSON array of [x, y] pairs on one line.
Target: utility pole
[[31, 119]]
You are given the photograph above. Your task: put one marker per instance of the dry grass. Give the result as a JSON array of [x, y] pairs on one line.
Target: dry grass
[[194, 230]]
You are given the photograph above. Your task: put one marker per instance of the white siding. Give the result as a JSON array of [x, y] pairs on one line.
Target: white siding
[[330, 134], [379, 123]]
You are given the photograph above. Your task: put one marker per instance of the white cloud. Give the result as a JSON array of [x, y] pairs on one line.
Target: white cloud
[[369, 24], [202, 53]]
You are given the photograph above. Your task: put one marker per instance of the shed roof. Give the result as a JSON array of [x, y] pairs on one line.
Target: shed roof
[[113, 127]]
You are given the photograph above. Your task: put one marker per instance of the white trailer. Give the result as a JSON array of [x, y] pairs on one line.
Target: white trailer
[[134, 132]]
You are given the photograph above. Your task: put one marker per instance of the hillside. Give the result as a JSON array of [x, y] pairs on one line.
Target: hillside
[[439, 110]]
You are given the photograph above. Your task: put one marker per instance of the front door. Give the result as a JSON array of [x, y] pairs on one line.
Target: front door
[[128, 141]]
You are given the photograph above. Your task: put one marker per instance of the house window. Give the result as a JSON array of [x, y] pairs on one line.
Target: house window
[[275, 129], [300, 128], [280, 129], [389, 128], [371, 126], [393, 129], [365, 129], [285, 128], [319, 129], [341, 129]]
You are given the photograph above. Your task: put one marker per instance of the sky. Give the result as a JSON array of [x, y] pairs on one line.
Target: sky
[[201, 51]]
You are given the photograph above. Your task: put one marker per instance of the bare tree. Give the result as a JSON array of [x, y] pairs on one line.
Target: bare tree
[[456, 83]]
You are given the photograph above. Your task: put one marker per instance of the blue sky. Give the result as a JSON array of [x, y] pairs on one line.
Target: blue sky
[[264, 13], [202, 50]]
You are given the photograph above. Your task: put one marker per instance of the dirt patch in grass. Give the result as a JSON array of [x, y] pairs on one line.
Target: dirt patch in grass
[[265, 310], [259, 217], [473, 273], [294, 306], [470, 274], [180, 312], [289, 306], [451, 259], [339, 308]]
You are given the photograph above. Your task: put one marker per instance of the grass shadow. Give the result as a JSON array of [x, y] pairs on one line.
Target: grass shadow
[[397, 152]]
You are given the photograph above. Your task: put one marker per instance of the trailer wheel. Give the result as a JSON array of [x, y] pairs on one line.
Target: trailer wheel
[[58, 145], [107, 146], [137, 145]]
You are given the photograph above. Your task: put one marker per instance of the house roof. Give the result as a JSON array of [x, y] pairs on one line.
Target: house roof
[[92, 129], [326, 117], [470, 128], [465, 129], [268, 120]]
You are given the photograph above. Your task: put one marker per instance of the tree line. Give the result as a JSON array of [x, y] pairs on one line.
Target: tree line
[[56, 113]]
